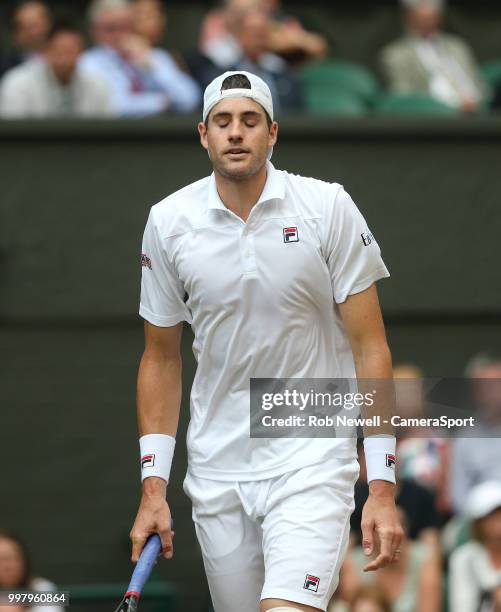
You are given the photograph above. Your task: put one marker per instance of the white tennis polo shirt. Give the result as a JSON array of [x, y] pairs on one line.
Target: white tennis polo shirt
[[261, 297]]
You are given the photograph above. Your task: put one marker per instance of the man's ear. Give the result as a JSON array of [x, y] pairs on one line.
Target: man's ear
[[274, 133], [202, 130]]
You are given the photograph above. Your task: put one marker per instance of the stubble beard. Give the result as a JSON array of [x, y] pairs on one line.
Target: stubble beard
[[236, 174]]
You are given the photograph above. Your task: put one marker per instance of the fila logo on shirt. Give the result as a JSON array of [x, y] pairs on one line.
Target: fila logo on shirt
[[390, 461], [311, 583], [290, 234], [147, 461], [145, 261], [367, 237]]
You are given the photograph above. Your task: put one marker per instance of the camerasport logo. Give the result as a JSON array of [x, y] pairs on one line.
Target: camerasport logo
[[311, 583], [147, 461], [390, 461], [290, 234]]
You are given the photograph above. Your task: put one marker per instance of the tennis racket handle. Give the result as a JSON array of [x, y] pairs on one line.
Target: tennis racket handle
[[145, 564]]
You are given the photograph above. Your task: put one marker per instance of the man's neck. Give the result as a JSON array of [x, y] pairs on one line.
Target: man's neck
[[241, 196]]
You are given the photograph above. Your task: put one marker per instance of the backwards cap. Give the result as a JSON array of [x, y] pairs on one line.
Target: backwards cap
[[259, 92]]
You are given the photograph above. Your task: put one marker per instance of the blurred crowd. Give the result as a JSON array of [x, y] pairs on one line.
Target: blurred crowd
[[449, 499], [117, 66]]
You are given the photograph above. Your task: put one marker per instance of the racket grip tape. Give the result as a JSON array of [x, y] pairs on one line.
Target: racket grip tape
[[144, 565]]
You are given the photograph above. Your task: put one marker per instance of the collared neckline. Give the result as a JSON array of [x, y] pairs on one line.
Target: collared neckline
[[274, 189]]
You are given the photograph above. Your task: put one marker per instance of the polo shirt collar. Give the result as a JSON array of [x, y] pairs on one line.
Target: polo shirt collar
[[274, 189]]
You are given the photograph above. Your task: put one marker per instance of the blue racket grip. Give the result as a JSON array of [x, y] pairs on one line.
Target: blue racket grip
[[145, 564]]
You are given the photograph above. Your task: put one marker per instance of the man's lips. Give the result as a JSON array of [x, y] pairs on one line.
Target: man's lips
[[236, 151]]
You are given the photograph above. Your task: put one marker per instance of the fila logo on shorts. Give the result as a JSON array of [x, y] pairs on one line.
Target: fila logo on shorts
[[290, 234], [147, 461], [311, 583], [390, 461]]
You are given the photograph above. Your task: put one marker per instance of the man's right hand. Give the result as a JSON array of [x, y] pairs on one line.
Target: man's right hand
[[153, 517]]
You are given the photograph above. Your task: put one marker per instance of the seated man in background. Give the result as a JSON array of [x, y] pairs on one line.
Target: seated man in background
[[245, 47], [290, 39], [286, 37], [427, 60], [142, 80], [31, 24], [474, 460], [53, 85]]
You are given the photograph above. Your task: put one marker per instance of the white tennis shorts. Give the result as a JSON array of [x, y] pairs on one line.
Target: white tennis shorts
[[282, 537]]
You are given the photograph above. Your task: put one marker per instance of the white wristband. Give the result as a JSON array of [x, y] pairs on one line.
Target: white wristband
[[380, 457], [157, 451]]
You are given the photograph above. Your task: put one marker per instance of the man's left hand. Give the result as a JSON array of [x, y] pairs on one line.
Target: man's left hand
[[380, 521]]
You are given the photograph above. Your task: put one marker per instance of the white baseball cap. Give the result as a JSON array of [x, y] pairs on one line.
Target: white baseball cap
[[259, 91], [483, 499]]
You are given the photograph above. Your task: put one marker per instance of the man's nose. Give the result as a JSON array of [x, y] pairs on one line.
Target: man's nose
[[235, 132]]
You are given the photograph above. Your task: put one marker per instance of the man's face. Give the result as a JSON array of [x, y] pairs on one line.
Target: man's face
[[424, 20], [238, 137], [113, 27], [31, 25], [62, 54]]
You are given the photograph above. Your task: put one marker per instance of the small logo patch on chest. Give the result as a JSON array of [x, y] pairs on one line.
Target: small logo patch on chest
[[290, 234]]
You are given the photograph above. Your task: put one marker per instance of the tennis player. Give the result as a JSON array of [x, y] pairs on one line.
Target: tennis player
[[275, 273]]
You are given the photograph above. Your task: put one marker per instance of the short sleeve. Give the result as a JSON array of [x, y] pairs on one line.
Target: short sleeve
[[350, 249], [162, 292]]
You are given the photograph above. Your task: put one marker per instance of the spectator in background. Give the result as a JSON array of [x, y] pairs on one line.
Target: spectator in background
[[427, 60], [150, 21], [142, 80], [289, 39], [16, 574], [422, 454], [286, 36], [31, 24], [413, 582], [53, 85], [476, 460], [244, 47], [475, 567]]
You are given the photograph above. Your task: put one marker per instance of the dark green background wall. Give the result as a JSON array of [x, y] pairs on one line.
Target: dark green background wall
[[74, 200]]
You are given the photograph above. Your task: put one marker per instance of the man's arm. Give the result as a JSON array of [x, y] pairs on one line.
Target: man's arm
[[158, 404], [362, 318]]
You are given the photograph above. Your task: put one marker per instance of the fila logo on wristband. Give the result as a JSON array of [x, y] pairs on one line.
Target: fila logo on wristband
[[147, 461], [390, 461]]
